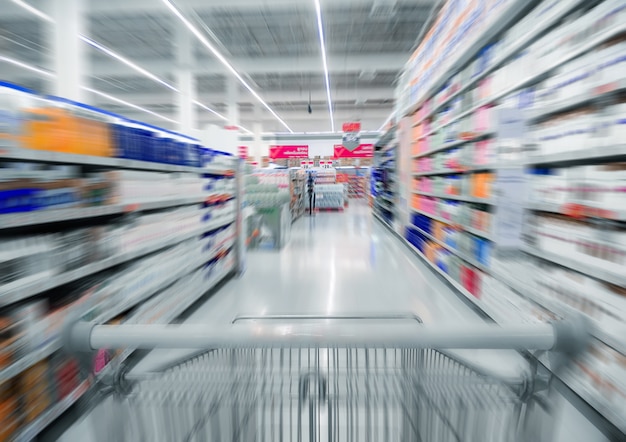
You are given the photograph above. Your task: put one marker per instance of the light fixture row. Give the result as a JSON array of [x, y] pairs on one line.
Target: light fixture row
[[118, 57], [320, 31]]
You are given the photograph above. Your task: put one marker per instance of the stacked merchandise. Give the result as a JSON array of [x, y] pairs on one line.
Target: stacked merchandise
[[330, 196], [97, 237], [355, 180], [297, 190], [384, 177], [267, 191], [557, 67]]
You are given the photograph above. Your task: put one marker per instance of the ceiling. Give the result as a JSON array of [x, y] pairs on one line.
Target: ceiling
[[273, 43]]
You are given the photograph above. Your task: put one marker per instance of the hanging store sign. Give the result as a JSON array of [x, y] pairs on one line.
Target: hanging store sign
[[362, 151], [351, 135], [282, 152]]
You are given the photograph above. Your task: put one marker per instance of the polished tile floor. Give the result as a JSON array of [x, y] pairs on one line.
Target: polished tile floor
[[334, 263]]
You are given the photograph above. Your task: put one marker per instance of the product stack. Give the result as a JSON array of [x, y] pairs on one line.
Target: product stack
[[268, 192], [111, 222], [535, 89], [384, 177], [297, 190], [328, 194]]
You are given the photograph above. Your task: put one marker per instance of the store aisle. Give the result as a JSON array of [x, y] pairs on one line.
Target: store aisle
[[335, 263]]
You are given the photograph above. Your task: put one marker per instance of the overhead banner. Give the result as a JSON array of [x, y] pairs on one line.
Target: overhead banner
[[282, 152], [362, 151], [351, 135]]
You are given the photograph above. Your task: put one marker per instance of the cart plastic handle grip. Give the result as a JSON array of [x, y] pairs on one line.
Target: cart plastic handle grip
[[561, 336], [364, 316]]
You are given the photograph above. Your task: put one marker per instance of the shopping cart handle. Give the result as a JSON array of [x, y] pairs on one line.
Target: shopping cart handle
[[565, 336], [363, 316]]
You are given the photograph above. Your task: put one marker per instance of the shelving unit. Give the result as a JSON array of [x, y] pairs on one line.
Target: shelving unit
[[137, 239], [517, 59], [297, 190], [384, 189]]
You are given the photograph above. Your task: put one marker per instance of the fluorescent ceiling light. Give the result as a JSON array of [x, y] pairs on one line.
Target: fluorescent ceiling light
[[320, 29], [108, 52], [126, 61], [26, 66], [217, 114], [33, 10], [200, 36], [102, 94], [112, 54], [126, 103]]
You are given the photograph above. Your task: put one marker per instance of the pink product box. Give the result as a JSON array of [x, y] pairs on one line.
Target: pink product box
[[426, 185], [428, 204], [425, 147], [425, 164], [483, 119], [484, 152], [484, 88]]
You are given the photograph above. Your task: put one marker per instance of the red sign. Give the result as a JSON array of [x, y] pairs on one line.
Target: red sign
[[352, 127], [289, 151], [231, 127], [243, 152], [363, 151]]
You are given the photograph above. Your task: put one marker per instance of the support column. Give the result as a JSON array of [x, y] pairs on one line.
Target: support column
[[69, 53], [232, 92], [185, 82]]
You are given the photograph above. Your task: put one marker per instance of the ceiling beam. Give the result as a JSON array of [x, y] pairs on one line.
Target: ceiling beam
[[379, 93], [10, 11], [265, 65]]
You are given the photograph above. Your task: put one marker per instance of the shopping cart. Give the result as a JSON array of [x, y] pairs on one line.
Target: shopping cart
[[320, 378]]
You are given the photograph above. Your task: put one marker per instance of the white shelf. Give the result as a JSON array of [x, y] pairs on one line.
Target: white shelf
[[617, 152], [467, 199], [30, 431], [615, 30], [586, 269], [173, 314], [598, 40], [466, 228], [451, 249], [9, 152], [457, 286], [591, 212], [27, 290], [28, 361], [122, 307], [471, 169], [519, 44], [599, 331], [597, 93], [449, 145], [59, 215], [463, 57]]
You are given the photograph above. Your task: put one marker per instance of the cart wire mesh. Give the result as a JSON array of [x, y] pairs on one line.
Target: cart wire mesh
[[317, 394]]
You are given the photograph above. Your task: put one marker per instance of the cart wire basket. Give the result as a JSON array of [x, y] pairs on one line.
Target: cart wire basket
[[326, 382]]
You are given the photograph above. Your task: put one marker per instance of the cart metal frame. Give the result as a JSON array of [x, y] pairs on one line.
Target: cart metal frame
[[323, 378]]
